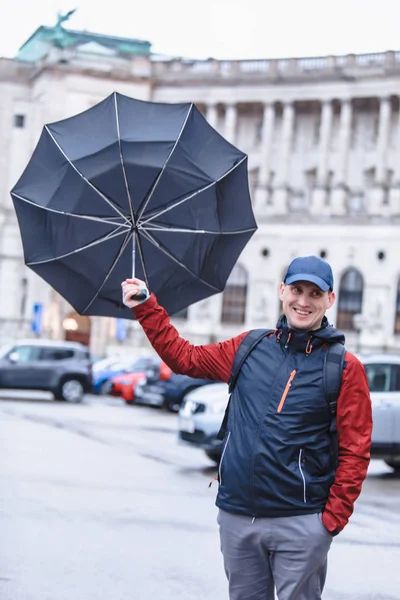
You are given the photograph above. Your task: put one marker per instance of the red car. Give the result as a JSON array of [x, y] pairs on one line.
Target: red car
[[123, 386]]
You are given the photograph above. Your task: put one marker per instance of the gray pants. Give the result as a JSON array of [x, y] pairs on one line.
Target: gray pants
[[288, 554]]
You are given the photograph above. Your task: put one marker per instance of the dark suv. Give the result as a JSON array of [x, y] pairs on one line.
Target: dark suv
[[166, 393], [63, 368]]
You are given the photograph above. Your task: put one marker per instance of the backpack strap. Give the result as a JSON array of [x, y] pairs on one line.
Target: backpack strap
[[332, 377], [248, 343]]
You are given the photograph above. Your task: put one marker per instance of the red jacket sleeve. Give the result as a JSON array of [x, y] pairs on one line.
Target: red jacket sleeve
[[212, 361], [354, 427]]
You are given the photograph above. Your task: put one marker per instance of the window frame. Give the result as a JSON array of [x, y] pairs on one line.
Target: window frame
[[234, 297], [346, 296], [397, 310]]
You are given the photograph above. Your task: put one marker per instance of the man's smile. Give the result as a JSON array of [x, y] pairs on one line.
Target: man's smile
[[299, 311]]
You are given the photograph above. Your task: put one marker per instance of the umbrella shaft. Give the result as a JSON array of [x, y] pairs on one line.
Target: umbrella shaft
[[133, 255]]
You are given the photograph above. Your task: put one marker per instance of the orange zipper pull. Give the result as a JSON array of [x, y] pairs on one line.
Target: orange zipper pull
[[286, 391]]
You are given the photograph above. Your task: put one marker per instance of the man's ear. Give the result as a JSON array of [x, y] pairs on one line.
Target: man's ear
[[331, 299], [281, 290]]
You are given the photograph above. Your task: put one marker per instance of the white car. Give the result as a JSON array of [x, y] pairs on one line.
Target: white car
[[200, 418], [202, 411], [383, 372]]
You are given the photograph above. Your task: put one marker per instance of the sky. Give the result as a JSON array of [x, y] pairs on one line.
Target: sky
[[224, 29]]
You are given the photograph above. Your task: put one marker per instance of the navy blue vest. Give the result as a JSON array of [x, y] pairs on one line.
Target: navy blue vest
[[277, 460]]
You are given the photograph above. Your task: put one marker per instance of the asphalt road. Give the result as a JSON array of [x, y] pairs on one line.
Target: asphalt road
[[100, 501]]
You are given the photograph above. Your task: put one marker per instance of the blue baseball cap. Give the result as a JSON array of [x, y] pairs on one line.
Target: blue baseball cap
[[310, 268]]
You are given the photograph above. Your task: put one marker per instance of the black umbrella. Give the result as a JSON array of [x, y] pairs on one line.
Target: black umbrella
[[132, 187]]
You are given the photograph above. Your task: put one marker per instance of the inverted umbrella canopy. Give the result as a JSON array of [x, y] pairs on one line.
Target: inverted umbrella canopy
[[134, 187]]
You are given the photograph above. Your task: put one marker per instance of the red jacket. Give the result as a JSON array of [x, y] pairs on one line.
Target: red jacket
[[353, 419]]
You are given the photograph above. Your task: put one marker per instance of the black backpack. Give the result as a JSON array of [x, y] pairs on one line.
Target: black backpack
[[332, 377]]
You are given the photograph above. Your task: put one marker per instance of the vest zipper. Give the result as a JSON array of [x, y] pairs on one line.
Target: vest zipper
[[286, 391], [222, 458], [302, 460]]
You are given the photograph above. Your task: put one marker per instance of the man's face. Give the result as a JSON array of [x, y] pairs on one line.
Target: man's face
[[305, 304]]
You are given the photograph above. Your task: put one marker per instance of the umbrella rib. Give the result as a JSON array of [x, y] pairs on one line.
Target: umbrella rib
[[124, 245], [183, 230], [103, 196], [172, 257], [193, 194], [68, 214], [122, 159], [106, 238], [165, 164]]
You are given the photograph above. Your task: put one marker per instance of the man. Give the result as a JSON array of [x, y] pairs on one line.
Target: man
[[281, 496]]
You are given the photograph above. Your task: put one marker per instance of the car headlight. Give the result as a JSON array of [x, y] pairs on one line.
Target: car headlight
[[187, 407]]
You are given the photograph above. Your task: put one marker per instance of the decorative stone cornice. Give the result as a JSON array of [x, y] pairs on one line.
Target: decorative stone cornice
[[348, 67]]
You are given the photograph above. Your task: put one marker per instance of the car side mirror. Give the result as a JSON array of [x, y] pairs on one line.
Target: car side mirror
[[13, 357]]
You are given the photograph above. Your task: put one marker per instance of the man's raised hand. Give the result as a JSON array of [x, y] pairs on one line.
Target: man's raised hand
[[130, 289]]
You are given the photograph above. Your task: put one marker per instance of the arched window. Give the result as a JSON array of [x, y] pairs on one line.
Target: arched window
[[397, 318], [350, 299], [235, 296]]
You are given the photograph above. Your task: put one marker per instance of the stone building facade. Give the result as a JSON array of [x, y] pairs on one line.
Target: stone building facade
[[323, 139]]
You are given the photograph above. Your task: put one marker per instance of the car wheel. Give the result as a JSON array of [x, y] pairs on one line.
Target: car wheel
[[394, 465], [214, 455], [70, 390], [173, 406]]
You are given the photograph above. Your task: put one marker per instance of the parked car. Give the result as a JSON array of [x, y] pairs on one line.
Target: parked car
[[383, 372], [107, 368], [63, 368], [167, 393], [125, 384], [200, 418]]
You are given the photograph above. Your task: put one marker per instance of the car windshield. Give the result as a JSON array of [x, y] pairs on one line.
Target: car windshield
[[378, 377], [143, 364], [215, 392], [106, 363]]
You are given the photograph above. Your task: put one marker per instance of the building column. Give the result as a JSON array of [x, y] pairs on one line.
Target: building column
[[394, 192], [280, 205], [325, 132], [6, 128], [231, 117], [338, 197], [212, 115], [376, 196], [261, 193]]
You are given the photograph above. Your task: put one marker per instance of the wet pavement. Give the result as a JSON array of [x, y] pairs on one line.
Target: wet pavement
[[99, 500]]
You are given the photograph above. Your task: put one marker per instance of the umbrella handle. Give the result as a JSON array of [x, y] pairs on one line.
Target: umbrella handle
[[142, 295]]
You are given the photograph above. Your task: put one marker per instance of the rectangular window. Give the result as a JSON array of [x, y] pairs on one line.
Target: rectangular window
[[397, 319], [55, 354], [19, 121], [234, 304], [23, 354]]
